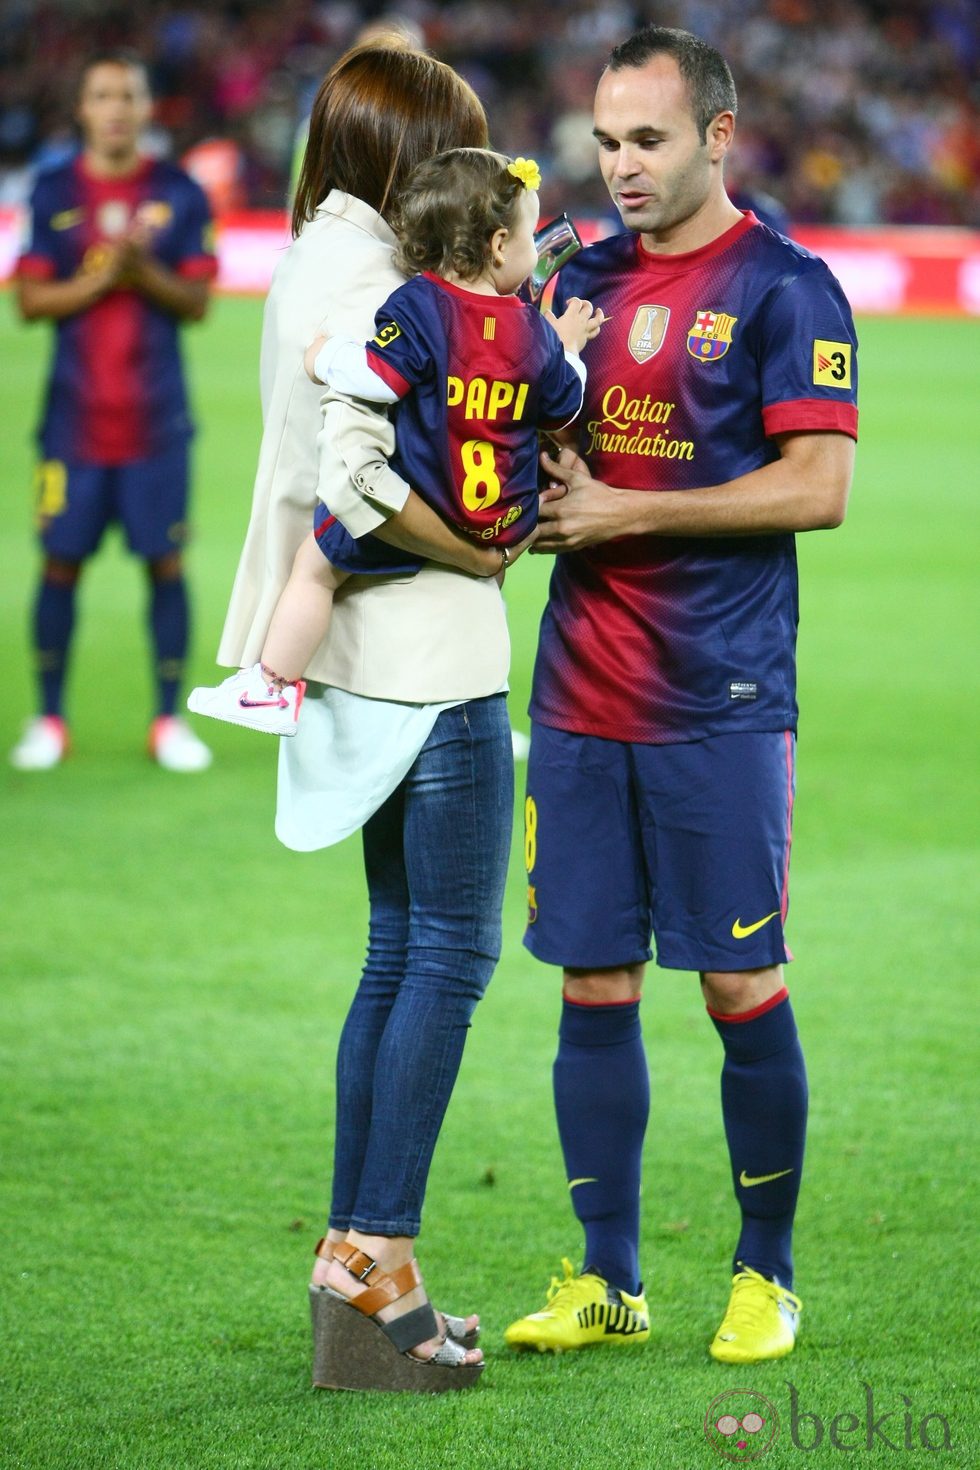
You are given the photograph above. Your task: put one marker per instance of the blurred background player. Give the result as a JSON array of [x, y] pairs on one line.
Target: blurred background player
[[119, 254]]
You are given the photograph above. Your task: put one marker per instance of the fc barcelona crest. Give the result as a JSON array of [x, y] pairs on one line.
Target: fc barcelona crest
[[711, 335], [156, 214], [647, 332]]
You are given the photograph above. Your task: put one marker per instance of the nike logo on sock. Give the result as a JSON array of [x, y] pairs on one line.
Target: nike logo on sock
[[748, 1182]]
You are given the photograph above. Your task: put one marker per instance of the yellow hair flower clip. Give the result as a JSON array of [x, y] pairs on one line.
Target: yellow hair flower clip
[[527, 171]]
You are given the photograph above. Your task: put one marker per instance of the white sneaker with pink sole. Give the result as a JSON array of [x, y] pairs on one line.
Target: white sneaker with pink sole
[[248, 698]]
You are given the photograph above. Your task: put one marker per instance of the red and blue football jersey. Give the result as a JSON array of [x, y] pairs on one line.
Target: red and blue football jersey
[[476, 376], [707, 356], [116, 389]]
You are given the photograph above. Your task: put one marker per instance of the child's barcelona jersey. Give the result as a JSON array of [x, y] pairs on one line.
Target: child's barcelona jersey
[[116, 389], [477, 375], [707, 357]]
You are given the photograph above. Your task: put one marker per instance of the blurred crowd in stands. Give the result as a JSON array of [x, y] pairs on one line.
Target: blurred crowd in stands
[[852, 112]]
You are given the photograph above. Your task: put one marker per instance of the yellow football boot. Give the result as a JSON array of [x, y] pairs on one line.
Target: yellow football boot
[[760, 1322], [580, 1312]]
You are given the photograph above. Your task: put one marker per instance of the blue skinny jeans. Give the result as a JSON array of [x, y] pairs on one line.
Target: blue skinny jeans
[[435, 855]]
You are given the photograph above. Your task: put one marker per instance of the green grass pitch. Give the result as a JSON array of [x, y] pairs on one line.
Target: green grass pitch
[[174, 983]]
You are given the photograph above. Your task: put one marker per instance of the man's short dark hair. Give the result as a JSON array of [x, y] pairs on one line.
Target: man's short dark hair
[[709, 81]]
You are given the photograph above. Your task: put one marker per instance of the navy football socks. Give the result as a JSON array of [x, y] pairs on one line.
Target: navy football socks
[[169, 622], [54, 619], [764, 1104], [602, 1098]]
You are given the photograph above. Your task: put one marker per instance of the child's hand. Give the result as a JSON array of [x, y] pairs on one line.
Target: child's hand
[[577, 324], [311, 354]]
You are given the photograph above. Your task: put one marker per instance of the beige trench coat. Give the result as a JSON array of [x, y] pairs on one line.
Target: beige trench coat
[[439, 636]]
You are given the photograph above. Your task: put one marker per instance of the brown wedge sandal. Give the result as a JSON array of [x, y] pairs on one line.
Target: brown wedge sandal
[[353, 1350], [455, 1327]]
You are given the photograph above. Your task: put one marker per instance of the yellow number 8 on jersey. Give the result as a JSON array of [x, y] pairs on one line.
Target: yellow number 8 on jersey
[[481, 486]]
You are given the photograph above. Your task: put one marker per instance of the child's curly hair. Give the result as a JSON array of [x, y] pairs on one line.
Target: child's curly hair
[[450, 208]]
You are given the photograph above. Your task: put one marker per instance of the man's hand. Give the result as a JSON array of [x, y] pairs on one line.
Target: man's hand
[[575, 510], [134, 257], [140, 270], [104, 266], [805, 489]]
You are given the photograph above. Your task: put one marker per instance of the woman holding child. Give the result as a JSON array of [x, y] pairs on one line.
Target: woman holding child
[[416, 661]]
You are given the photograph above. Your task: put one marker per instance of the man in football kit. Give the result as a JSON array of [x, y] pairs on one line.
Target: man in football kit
[[119, 255], [661, 776]]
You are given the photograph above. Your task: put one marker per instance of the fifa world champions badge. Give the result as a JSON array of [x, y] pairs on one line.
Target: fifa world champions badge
[[711, 335], [646, 335]]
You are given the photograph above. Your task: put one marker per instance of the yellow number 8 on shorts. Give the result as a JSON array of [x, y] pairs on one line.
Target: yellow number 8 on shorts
[[530, 834], [50, 486]]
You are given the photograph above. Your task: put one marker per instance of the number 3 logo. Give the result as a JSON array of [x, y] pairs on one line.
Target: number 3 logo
[[832, 363]]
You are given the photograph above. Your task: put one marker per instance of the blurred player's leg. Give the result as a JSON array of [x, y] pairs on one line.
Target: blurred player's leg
[[151, 503], [172, 743], [54, 623], [169, 625], [44, 742], [74, 506]]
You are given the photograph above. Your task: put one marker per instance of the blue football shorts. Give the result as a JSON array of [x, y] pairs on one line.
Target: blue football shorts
[[688, 842], [362, 556], [148, 497]]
